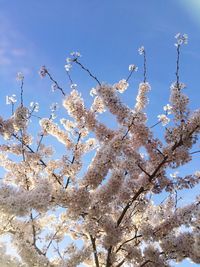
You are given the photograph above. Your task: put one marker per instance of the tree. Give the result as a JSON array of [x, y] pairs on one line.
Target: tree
[[107, 209]]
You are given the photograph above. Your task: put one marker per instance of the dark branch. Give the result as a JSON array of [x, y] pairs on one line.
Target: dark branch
[[96, 259], [87, 70]]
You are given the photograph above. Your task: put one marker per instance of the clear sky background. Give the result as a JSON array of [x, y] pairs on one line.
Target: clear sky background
[[108, 34]]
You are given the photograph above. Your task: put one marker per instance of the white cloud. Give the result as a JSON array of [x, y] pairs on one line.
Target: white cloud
[[15, 50]]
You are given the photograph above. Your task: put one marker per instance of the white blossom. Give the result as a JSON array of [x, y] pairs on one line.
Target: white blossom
[[181, 39], [164, 119], [141, 50], [174, 175], [132, 67], [111, 184], [73, 86], [93, 92], [75, 54], [43, 71], [68, 67], [141, 99], [167, 108], [11, 99], [20, 76], [68, 60], [54, 87], [34, 106], [197, 173], [121, 86]]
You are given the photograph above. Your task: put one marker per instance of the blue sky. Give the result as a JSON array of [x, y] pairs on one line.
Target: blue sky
[[108, 34]]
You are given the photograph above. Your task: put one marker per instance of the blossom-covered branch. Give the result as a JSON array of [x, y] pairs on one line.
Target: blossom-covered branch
[[92, 203]]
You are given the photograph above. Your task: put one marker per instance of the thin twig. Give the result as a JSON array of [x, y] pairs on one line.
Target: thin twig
[[69, 77], [12, 104], [57, 86], [129, 76], [40, 160], [141, 168], [50, 242], [195, 152], [22, 91], [155, 124], [40, 142], [147, 261], [120, 263], [87, 70], [128, 240], [73, 159], [145, 66], [177, 65]]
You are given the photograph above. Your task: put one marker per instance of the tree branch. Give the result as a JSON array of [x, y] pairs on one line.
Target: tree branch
[[96, 259], [87, 70]]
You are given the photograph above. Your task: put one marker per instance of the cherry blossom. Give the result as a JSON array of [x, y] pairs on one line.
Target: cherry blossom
[[82, 190]]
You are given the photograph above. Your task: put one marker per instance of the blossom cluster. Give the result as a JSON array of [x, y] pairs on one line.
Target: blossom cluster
[[93, 202]]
